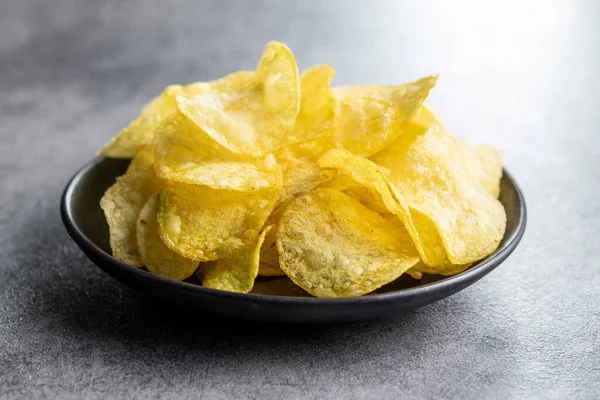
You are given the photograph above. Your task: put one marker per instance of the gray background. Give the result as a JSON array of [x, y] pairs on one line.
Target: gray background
[[523, 76]]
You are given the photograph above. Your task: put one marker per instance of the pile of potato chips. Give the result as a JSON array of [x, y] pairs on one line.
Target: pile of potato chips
[[272, 172]]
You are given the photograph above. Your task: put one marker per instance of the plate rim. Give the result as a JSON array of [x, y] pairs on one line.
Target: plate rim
[[465, 278]]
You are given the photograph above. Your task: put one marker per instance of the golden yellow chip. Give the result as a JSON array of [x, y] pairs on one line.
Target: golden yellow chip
[[333, 246], [366, 124], [484, 164], [140, 132], [481, 162], [317, 105], [255, 119], [366, 194], [123, 201], [237, 270], [185, 154], [302, 175], [202, 223], [367, 174], [229, 83], [431, 176], [446, 269], [156, 256]]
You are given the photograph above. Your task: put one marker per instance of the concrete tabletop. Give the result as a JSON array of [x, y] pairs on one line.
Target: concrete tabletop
[[522, 76]]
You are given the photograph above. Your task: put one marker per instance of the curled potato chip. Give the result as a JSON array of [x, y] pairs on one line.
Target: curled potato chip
[[255, 119], [301, 175], [317, 105], [484, 164], [229, 83], [368, 175], [369, 118], [185, 154], [367, 123], [123, 201], [156, 256], [269, 263], [202, 223], [140, 131], [431, 176], [481, 162], [237, 270], [333, 246], [445, 269]]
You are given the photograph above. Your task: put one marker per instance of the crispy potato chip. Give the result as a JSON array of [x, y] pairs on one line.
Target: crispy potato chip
[[446, 269], [424, 116], [123, 201], [365, 194], [229, 83], [366, 124], [369, 118], [481, 162], [415, 274], [235, 271], [185, 154], [333, 246], [202, 223], [367, 174], [269, 263], [301, 175], [485, 165], [140, 131], [269, 256], [156, 256], [255, 119], [431, 176], [317, 105]]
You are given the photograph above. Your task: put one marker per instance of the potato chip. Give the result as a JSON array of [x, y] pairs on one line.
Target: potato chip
[[236, 271], [367, 174], [202, 223], [123, 201], [484, 163], [431, 176], [185, 154], [269, 263], [446, 269], [367, 121], [255, 119], [156, 256], [317, 105], [302, 175], [229, 83], [367, 124], [481, 162], [140, 132], [366, 194], [333, 246]]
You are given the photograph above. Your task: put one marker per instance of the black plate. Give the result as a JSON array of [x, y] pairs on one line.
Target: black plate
[[272, 299]]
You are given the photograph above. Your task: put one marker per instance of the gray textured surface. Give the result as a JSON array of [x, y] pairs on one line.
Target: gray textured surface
[[524, 76]]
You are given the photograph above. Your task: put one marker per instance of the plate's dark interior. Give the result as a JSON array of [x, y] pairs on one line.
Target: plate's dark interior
[[89, 218]]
